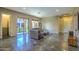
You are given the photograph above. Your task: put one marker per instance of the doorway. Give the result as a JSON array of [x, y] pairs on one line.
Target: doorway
[[65, 24], [5, 25]]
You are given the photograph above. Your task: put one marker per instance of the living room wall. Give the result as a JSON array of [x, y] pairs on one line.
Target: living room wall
[[0, 26], [50, 24], [65, 24]]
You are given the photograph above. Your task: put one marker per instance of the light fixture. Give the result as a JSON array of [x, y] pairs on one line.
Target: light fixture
[[57, 10]]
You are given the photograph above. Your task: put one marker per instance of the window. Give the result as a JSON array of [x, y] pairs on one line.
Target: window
[[35, 24]]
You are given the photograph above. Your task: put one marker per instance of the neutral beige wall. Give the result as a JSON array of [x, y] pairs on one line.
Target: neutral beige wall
[[0, 27], [14, 16], [65, 23], [75, 23], [56, 24], [5, 20], [50, 24]]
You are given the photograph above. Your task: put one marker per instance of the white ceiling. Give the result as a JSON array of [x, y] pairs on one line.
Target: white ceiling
[[43, 11]]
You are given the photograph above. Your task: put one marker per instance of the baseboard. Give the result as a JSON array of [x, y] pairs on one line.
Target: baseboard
[[0, 38], [53, 33]]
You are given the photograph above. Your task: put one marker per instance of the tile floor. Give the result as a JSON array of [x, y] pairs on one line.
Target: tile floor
[[52, 42]]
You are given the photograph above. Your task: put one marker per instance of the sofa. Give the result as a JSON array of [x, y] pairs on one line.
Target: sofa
[[36, 33]]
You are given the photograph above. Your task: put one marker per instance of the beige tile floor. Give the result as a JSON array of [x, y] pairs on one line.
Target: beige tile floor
[[53, 42]]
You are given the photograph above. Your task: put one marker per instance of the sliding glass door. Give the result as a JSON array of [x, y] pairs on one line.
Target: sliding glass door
[[20, 26], [26, 28], [22, 32]]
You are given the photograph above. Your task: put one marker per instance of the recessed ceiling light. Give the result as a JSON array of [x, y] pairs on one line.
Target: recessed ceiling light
[[57, 10]]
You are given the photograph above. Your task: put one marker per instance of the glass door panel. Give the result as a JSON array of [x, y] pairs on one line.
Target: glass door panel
[[26, 26], [20, 30], [22, 33], [20, 25]]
